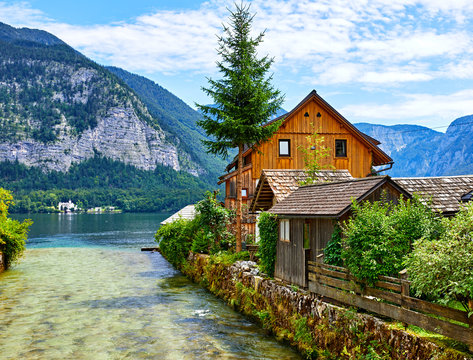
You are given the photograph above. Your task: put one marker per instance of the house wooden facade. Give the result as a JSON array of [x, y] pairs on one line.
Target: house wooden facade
[[350, 149], [307, 217]]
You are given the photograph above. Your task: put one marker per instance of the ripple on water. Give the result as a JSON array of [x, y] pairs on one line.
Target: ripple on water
[[85, 303]]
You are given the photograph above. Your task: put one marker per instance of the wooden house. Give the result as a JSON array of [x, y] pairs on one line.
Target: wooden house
[[442, 193], [350, 149], [307, 217]]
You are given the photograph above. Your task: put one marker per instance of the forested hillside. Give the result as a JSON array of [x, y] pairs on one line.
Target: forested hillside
[[71, 129], [98, 182]]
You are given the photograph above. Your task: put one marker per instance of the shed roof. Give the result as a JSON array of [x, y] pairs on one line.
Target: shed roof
[[187, 212], [329, 200], [278, 184], [445, 192]]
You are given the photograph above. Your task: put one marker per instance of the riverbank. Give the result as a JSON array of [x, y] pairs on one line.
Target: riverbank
[[316, 328]]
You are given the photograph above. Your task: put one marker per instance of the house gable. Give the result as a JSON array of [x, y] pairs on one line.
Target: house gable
[[314, 114]]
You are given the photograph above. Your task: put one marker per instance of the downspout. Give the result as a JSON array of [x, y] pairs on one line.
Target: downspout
[[374, 173]]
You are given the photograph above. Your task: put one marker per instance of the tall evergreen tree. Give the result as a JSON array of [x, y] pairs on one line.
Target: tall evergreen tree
[[244, 99]]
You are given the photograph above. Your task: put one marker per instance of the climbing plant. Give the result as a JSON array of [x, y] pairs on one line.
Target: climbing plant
[[313, 156], [268, 229]]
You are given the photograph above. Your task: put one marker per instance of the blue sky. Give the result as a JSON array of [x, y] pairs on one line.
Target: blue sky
[[377, 61]]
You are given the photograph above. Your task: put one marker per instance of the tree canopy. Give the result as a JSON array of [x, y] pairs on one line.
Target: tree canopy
[[244, 98]]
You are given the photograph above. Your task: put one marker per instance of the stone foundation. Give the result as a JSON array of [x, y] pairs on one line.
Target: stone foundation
[[318, 329]]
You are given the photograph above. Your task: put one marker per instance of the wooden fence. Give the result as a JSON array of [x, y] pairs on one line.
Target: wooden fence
[[390, 297]]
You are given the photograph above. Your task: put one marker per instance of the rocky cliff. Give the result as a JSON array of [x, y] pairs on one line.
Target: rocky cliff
[[58, 108]]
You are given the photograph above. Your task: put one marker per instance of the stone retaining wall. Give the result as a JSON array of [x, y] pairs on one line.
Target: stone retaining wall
[[318, 329]]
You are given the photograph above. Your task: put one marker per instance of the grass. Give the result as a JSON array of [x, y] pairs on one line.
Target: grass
[[432, 336]]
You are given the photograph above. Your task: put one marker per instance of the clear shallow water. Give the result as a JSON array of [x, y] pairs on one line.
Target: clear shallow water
[[85, 291]]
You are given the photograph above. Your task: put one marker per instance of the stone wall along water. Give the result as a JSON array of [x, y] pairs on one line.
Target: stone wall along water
[[318, 329]]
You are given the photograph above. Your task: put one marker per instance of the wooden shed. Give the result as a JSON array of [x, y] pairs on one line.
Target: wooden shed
[[307, 217]]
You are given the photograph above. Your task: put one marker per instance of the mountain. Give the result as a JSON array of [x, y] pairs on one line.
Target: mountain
[[59, 108], [420, 151], [176, 118], [72, 129]]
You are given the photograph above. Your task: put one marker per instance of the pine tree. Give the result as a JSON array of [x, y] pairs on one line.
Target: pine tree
[[244, 99]]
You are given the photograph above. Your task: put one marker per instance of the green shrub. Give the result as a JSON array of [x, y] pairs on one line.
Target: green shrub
[[175, 239], [268, 229], [333, 250], [13, 234], [214, 220], [442, 268], [201, 242], [380, 235]]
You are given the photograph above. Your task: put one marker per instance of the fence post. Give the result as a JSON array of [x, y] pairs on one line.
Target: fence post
[[405, 291], [318, 261]]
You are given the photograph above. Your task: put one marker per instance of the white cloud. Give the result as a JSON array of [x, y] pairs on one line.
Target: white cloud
[[21, 14], [368, 44], [367, 34], [431, 110]]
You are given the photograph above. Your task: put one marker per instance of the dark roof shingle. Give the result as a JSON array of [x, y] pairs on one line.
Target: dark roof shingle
[[329, 199]]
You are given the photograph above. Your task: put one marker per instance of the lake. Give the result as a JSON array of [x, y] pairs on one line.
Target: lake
[[84, 290]]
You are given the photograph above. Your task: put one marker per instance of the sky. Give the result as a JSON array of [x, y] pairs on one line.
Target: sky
[[378, 61]]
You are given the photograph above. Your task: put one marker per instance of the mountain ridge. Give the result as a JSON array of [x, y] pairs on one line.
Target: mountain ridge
[[421, 151], [59, 107]]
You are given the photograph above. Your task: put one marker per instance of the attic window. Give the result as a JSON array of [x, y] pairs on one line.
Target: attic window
[[285, 147], [340, 148]]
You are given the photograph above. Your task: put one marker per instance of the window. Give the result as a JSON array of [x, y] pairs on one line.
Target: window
[[232, 188], [284, 230], [244, 193], [307, 235], [340, 148], [285, 147], [247, 160]]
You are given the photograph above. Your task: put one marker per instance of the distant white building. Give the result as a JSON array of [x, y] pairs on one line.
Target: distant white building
[[67, 206]]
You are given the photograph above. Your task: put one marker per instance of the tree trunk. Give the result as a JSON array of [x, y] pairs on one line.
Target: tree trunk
[[238, 189]]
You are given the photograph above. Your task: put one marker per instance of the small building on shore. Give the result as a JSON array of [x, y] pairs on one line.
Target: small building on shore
[[67, 206], [187, 212]]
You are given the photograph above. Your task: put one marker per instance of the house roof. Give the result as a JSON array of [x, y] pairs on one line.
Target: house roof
[[330, 200], [187, 212], [278, 184], [445, 192], [380, 157]]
